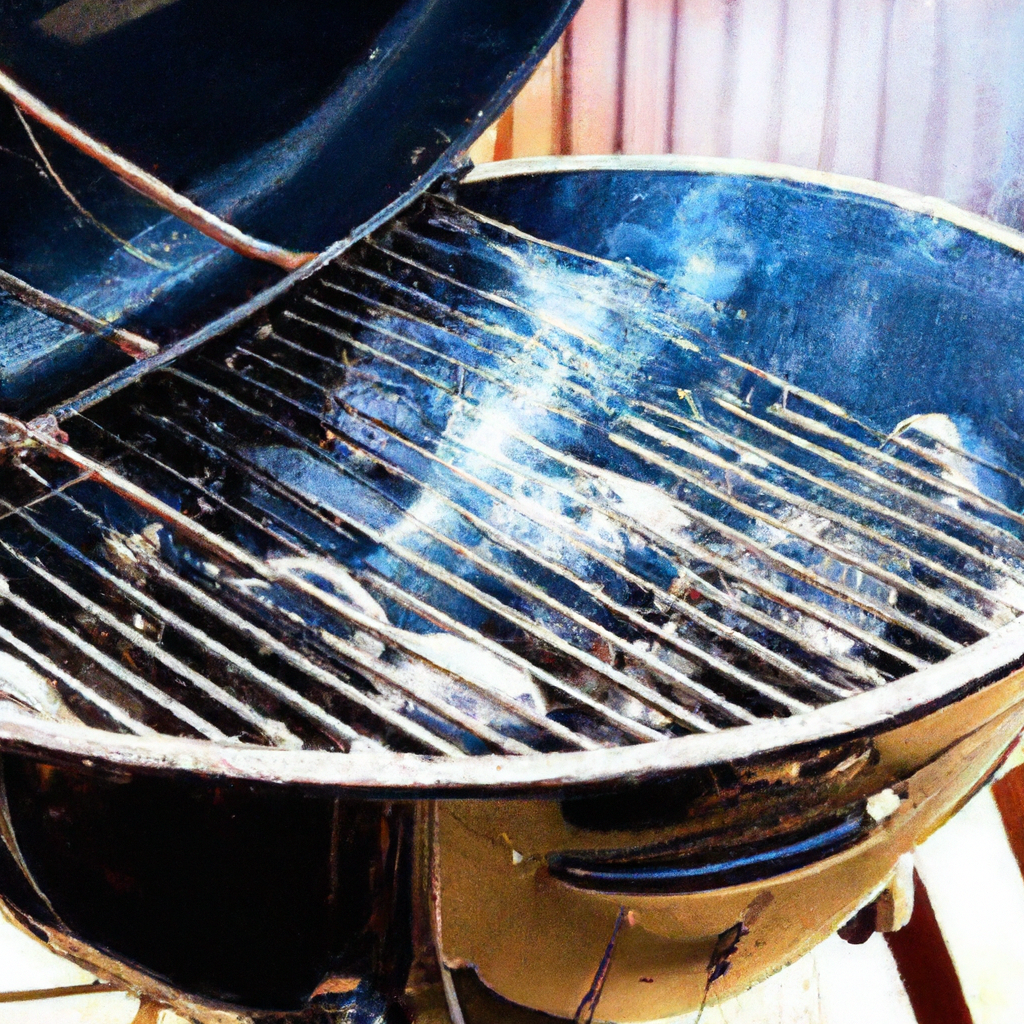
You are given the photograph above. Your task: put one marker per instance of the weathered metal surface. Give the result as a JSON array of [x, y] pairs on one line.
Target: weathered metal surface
[[149, 186], [539, 941], [131, 344]]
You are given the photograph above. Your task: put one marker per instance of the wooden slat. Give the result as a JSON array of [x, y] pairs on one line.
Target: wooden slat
[[977, 892], [757, 68], [648, 83], [703, 79], [963, 28], [925, 94], [851, 131], [913, 93], [998, 138], [596, 76], [503, 134], [1008, 793], [806, 63], [537, 112]]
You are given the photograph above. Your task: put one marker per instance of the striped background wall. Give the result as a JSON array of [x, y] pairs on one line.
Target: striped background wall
[[924, 94]]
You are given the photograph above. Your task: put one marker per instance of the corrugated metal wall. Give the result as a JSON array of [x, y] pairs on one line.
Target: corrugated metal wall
[[924, 94]]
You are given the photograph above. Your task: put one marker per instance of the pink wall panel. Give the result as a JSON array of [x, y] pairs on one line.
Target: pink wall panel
[[753, 115], [913, 101], [649, 72], [925, 94], [850, 134], [703, 47], [806, 61], [593, 68]]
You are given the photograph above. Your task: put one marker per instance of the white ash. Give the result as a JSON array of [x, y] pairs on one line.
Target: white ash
[[24, 691]]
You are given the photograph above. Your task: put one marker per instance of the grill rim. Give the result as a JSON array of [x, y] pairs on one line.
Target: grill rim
[[994, 659], [988, 661]]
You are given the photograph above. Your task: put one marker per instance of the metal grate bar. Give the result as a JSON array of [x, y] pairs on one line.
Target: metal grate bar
[[273, 731], [806, 573], [515, 582], [54, 671], [444, 312], [130, 679], [593, 591], [892, 438], [13, 510], [898, 438], [219, 546], [931, 596], [640, 276], [439, 618], [426, 611], [497, 300], [380, 670], [881, 611], [442, 575], [643, 306], [990, 531], [723, 565], [979, 526], [205, 603], [937, 598], [740, 446], [191, 483], [934, 597], [330, 725], [566, 529], [494, 330], [459, 427], [784, 598]]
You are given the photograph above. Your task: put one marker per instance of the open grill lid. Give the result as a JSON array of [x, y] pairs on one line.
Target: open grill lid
[[300, 122]]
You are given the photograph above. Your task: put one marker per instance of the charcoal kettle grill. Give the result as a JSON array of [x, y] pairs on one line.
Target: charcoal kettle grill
[[570, 596]]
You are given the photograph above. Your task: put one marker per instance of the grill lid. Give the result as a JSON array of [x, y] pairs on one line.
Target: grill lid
[[299, 124]]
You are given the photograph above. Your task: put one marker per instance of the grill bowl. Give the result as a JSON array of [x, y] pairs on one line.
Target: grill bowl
[[885, 303]]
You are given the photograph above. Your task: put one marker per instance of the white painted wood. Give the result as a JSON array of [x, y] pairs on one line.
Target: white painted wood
[[754, 114], [976, 890], [28, 964], [535, 113], [594, 76], [998, 144], [701, 54], [850, 135], [964, 46], [911, 94], [804, 84], [834, 984]]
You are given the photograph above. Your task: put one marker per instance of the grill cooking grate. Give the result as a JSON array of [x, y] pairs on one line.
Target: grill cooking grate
[[535, 512]]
